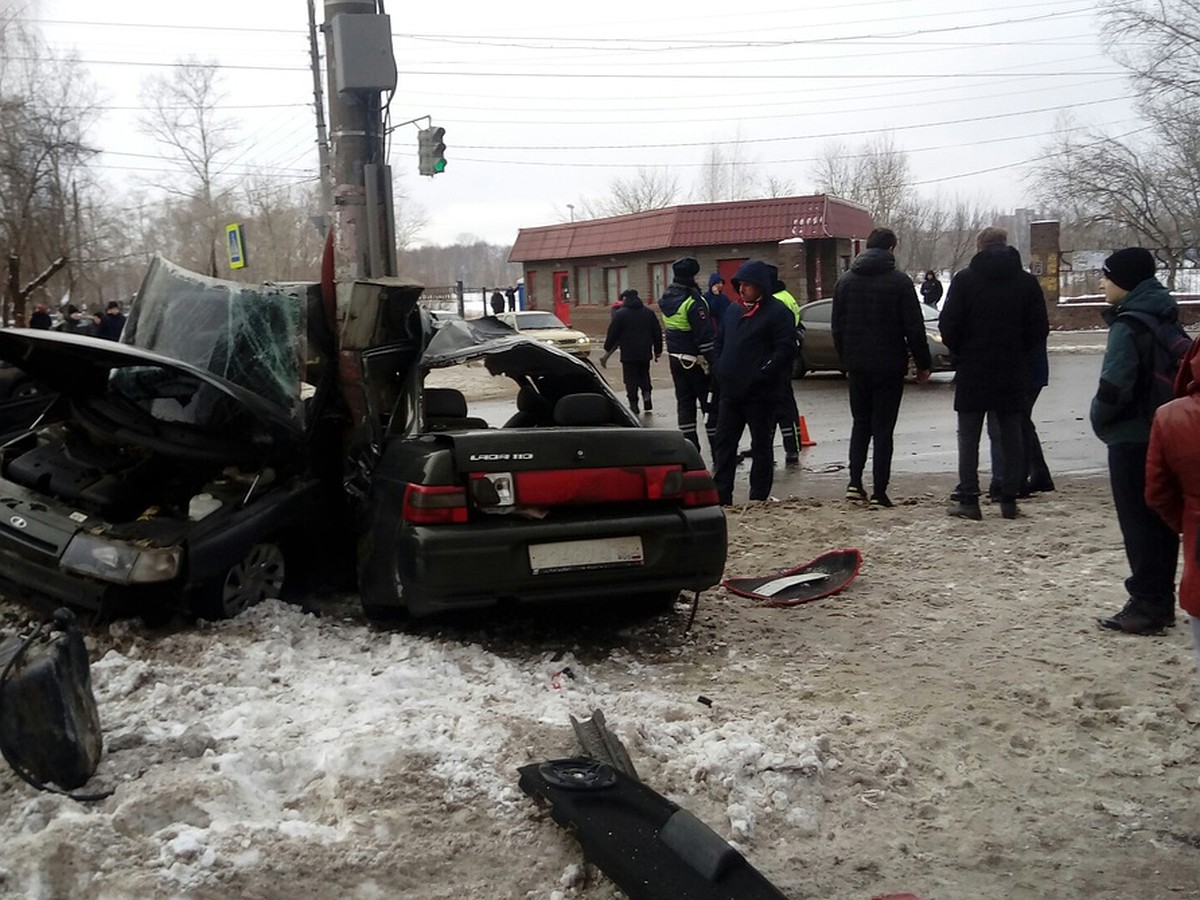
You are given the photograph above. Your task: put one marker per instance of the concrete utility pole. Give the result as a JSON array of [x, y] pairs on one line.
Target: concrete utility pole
[[358, 57], [314, 55]]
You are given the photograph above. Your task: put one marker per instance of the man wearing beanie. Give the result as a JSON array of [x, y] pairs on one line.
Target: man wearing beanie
[[993, 320], [634, 330], [689, 336], [1121, 416]]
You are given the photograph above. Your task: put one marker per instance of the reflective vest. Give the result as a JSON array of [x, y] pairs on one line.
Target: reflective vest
[[785, 297], [678, 320]]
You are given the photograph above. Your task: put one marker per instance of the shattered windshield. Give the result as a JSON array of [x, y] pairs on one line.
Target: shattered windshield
[[249, 334]]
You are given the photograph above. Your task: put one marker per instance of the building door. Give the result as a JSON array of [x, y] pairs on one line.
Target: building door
[[562, 297], [727, 268]]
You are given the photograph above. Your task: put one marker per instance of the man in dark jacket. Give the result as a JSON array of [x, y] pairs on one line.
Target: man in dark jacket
[[876, 323], [40, 318], [1121, 415], [112, 323], [755, 345], [634, 330], [992, 320], [689, 338]]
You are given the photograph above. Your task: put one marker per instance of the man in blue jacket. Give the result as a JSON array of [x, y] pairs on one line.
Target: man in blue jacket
[[1121, 415], [689, 335], [755, 346]]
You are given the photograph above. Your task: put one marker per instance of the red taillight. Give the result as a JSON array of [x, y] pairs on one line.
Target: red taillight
[[435, 504], [561, 487], [698, 489]]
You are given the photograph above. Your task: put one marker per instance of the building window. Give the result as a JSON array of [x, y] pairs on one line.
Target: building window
[[616, 282], [531, 289], [660, 277], [589, 286]]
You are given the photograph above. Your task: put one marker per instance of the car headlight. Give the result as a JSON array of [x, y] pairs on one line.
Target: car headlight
[[119, 561], [583, 340]]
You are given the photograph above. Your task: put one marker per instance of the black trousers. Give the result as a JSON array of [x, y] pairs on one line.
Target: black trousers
[[637, 378], [874, 408], [1033, 461], [734, 417], [691, 391], [970, 430], [1151, 547], [788, 417]]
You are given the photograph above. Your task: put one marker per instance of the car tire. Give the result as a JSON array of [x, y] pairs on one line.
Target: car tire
[[257, 576], [800, 366]]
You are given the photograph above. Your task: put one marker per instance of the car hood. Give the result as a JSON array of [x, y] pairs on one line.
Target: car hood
[[462, 341], [79, 367]]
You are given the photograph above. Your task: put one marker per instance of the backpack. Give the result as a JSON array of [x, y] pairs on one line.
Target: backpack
[[1156, 382]]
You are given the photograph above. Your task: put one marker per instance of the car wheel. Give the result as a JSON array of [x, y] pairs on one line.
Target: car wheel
[[259, 575], [800, 366]]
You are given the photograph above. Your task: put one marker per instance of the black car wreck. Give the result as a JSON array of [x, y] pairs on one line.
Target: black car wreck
[[173, 467], [563, 495], [237, 431]]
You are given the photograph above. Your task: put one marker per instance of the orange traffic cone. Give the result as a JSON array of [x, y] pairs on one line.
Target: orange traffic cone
[[805, 440]]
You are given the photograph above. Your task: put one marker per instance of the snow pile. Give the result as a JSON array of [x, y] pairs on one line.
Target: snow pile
[[280, 735]]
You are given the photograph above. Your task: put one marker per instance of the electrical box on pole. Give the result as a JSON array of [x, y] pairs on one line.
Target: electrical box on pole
[[362, 57], [431, 151]]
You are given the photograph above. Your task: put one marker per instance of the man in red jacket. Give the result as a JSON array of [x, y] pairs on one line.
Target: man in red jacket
[[1173, 479]]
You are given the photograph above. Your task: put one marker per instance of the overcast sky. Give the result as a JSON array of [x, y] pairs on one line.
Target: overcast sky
[[547, 103]]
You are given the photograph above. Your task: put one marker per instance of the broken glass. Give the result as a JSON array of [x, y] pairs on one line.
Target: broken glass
[[252, 335]]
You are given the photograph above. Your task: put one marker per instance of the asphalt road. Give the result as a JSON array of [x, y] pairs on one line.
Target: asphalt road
[[925, 432]]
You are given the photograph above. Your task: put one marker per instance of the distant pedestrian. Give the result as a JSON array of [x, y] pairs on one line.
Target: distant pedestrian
[[497, 302], [689, 339], [75, 322], [787, 416], [718, 301], [755, 346], [876, 324], [993, 320], [40, 318], [112, 322], [511, 296], [1121, 414], [1173, 480], [931, 289], [635, 332]]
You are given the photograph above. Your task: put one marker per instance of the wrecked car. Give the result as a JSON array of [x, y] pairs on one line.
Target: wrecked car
[[177, 466], [555, 493]]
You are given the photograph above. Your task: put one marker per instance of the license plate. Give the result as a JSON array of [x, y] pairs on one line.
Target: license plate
[[600, 553]]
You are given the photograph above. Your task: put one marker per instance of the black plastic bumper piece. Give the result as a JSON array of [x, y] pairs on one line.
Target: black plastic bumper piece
[[650, 847]]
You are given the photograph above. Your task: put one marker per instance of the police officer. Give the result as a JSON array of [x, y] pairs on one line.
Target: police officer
[[689, 338]]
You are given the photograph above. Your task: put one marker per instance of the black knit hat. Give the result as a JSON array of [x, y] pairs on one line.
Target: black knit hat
[[685, 269], [1129, 267]]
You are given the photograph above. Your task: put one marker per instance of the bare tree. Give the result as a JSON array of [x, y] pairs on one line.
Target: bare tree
[[181, 114], [648, 189], [1159, 41], [1145, 188], [45, 107], [875, 175]]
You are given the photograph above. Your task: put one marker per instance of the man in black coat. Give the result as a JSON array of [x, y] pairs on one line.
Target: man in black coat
[[754, 349], [993, 319], [876, 323], [634, 330]]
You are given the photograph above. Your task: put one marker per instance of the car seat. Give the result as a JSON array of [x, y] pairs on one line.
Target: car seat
[[446, 410], [584, 409], [532, 410]]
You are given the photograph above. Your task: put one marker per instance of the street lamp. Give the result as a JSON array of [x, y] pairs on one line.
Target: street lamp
[[571, 207]]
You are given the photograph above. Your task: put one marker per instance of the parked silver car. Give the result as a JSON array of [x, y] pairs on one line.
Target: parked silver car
[[818, 353]]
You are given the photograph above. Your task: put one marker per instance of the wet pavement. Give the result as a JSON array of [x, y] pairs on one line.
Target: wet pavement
[[925, 443]]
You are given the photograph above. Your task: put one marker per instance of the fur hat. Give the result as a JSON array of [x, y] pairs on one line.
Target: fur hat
[[1129, 267], [685, 270]]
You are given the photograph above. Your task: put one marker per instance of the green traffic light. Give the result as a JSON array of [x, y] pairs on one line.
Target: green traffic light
[[439, 165]]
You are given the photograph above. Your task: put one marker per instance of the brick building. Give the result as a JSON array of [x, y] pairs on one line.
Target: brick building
[[578, 269]]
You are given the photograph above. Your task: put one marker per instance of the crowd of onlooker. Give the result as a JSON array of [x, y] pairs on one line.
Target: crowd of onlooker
[[107, 324]]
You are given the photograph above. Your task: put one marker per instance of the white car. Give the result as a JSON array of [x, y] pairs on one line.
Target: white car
[[549, 329]]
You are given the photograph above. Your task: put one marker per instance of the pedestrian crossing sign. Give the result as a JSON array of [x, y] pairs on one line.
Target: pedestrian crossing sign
[[236, 241]]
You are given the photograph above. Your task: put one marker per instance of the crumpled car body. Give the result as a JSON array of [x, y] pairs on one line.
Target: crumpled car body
[[556, 496], [171, 468]]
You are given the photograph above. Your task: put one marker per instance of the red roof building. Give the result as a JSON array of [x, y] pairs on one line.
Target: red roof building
[[579, 269]]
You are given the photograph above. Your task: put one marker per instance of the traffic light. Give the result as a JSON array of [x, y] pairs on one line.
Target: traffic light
[[431, 151]]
